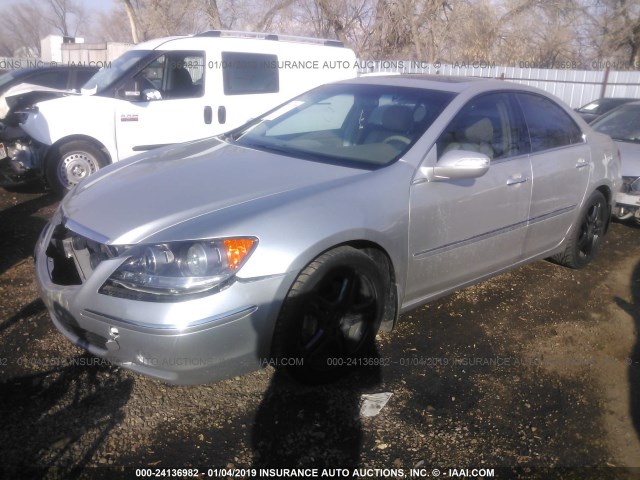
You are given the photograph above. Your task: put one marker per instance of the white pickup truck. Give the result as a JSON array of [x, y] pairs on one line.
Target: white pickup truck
[[168, 91]]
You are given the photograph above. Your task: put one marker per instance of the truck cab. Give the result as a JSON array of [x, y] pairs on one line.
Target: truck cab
[[173, 90]]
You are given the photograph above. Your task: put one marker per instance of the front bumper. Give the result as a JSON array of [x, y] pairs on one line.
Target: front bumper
[[18, 166], [196, 341], [626, 200]]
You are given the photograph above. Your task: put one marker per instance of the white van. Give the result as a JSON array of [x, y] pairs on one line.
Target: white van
[[174, 90]]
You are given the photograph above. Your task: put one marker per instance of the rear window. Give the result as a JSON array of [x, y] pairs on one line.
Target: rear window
[[549, 125], [246, 73]]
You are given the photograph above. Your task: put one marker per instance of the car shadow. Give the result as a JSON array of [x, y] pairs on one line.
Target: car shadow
[[20, 228], [633, 309], [66, 412], [29, 310], [312, 426]]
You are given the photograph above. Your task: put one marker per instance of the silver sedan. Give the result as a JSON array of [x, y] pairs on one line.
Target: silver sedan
[[294, 239], [623, 125]]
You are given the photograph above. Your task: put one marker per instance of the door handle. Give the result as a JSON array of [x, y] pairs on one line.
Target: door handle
[[516, 179], [582, 163], [208, 115], [222, 115]]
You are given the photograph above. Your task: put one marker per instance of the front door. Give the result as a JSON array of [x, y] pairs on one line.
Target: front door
[[176, 110], [461, 230]]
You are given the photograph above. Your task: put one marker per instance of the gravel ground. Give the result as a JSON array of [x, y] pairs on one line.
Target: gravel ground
[[537, 369]]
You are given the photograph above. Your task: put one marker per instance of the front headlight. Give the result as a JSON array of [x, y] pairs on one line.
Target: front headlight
[[175, 271], [631, 185]]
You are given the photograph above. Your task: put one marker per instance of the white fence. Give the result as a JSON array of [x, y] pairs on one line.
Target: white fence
[[575, 87]]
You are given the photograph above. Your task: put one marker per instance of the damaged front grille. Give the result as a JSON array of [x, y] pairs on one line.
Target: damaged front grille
[[73, 258], [71, 325]]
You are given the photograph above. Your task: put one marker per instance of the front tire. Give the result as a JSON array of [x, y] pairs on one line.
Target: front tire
[[72, 162], [586, 236], [331, 315]]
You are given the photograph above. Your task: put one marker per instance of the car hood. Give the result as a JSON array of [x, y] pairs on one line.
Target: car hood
[[25, 94], [630, 155], [128, 202]]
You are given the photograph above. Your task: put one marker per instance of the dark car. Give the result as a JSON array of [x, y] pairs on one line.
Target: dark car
[[593, 110]]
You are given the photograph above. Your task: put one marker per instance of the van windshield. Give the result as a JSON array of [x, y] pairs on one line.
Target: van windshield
[[5, 78], [106, 77]]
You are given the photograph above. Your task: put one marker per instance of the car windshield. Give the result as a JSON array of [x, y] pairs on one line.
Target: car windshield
[[589, 107], [106, 77], [365, 126], [6, 78], [621, 124]]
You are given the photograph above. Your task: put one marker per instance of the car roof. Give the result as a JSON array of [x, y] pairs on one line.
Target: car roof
[[212, 37], [615, 99], [448, 83], [634, 101]]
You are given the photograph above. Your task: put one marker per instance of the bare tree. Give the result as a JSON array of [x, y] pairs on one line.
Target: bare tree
[[112, 26], [133, 20], [25, 25], [213, 13], [542, 32], [65, 16], [616, 29]]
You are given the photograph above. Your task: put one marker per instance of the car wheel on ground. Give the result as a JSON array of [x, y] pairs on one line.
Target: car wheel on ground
[[331, 315], [71, 162], [586, 236]]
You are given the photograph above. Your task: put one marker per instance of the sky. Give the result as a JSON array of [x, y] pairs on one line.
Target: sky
[[98, 5], [90, 5]]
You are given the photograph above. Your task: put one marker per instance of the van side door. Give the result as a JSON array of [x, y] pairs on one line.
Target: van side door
[[248, 84]]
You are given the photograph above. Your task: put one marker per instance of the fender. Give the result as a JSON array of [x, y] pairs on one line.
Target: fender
[[85, 116]]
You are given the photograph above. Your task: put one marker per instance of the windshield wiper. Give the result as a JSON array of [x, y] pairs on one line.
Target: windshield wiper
[[267, 146]]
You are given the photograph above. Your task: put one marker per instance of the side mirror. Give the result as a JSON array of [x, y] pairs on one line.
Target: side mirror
[[459, 164], [133, 91], [151, 94]]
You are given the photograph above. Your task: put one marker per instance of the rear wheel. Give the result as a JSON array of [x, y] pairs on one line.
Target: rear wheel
[[331, 315], [72, 162], [586, 236]]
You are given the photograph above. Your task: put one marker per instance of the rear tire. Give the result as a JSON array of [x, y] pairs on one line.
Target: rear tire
[[331, 315], [586, 235], [71, 162]]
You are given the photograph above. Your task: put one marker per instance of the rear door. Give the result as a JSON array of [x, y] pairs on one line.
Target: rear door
[[561, 166]]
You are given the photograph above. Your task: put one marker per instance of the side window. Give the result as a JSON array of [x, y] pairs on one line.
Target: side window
[[549, 125], [246, 73], [152, 76], [82, 77], [488, 124], [51, 79], [174, 75]]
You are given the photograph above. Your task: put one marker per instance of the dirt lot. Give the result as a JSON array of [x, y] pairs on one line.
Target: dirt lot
[[538, 368]]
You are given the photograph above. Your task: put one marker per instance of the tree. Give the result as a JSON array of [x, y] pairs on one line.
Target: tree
[[24, 27], [133, 20], [616, 28], [65, 16]]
